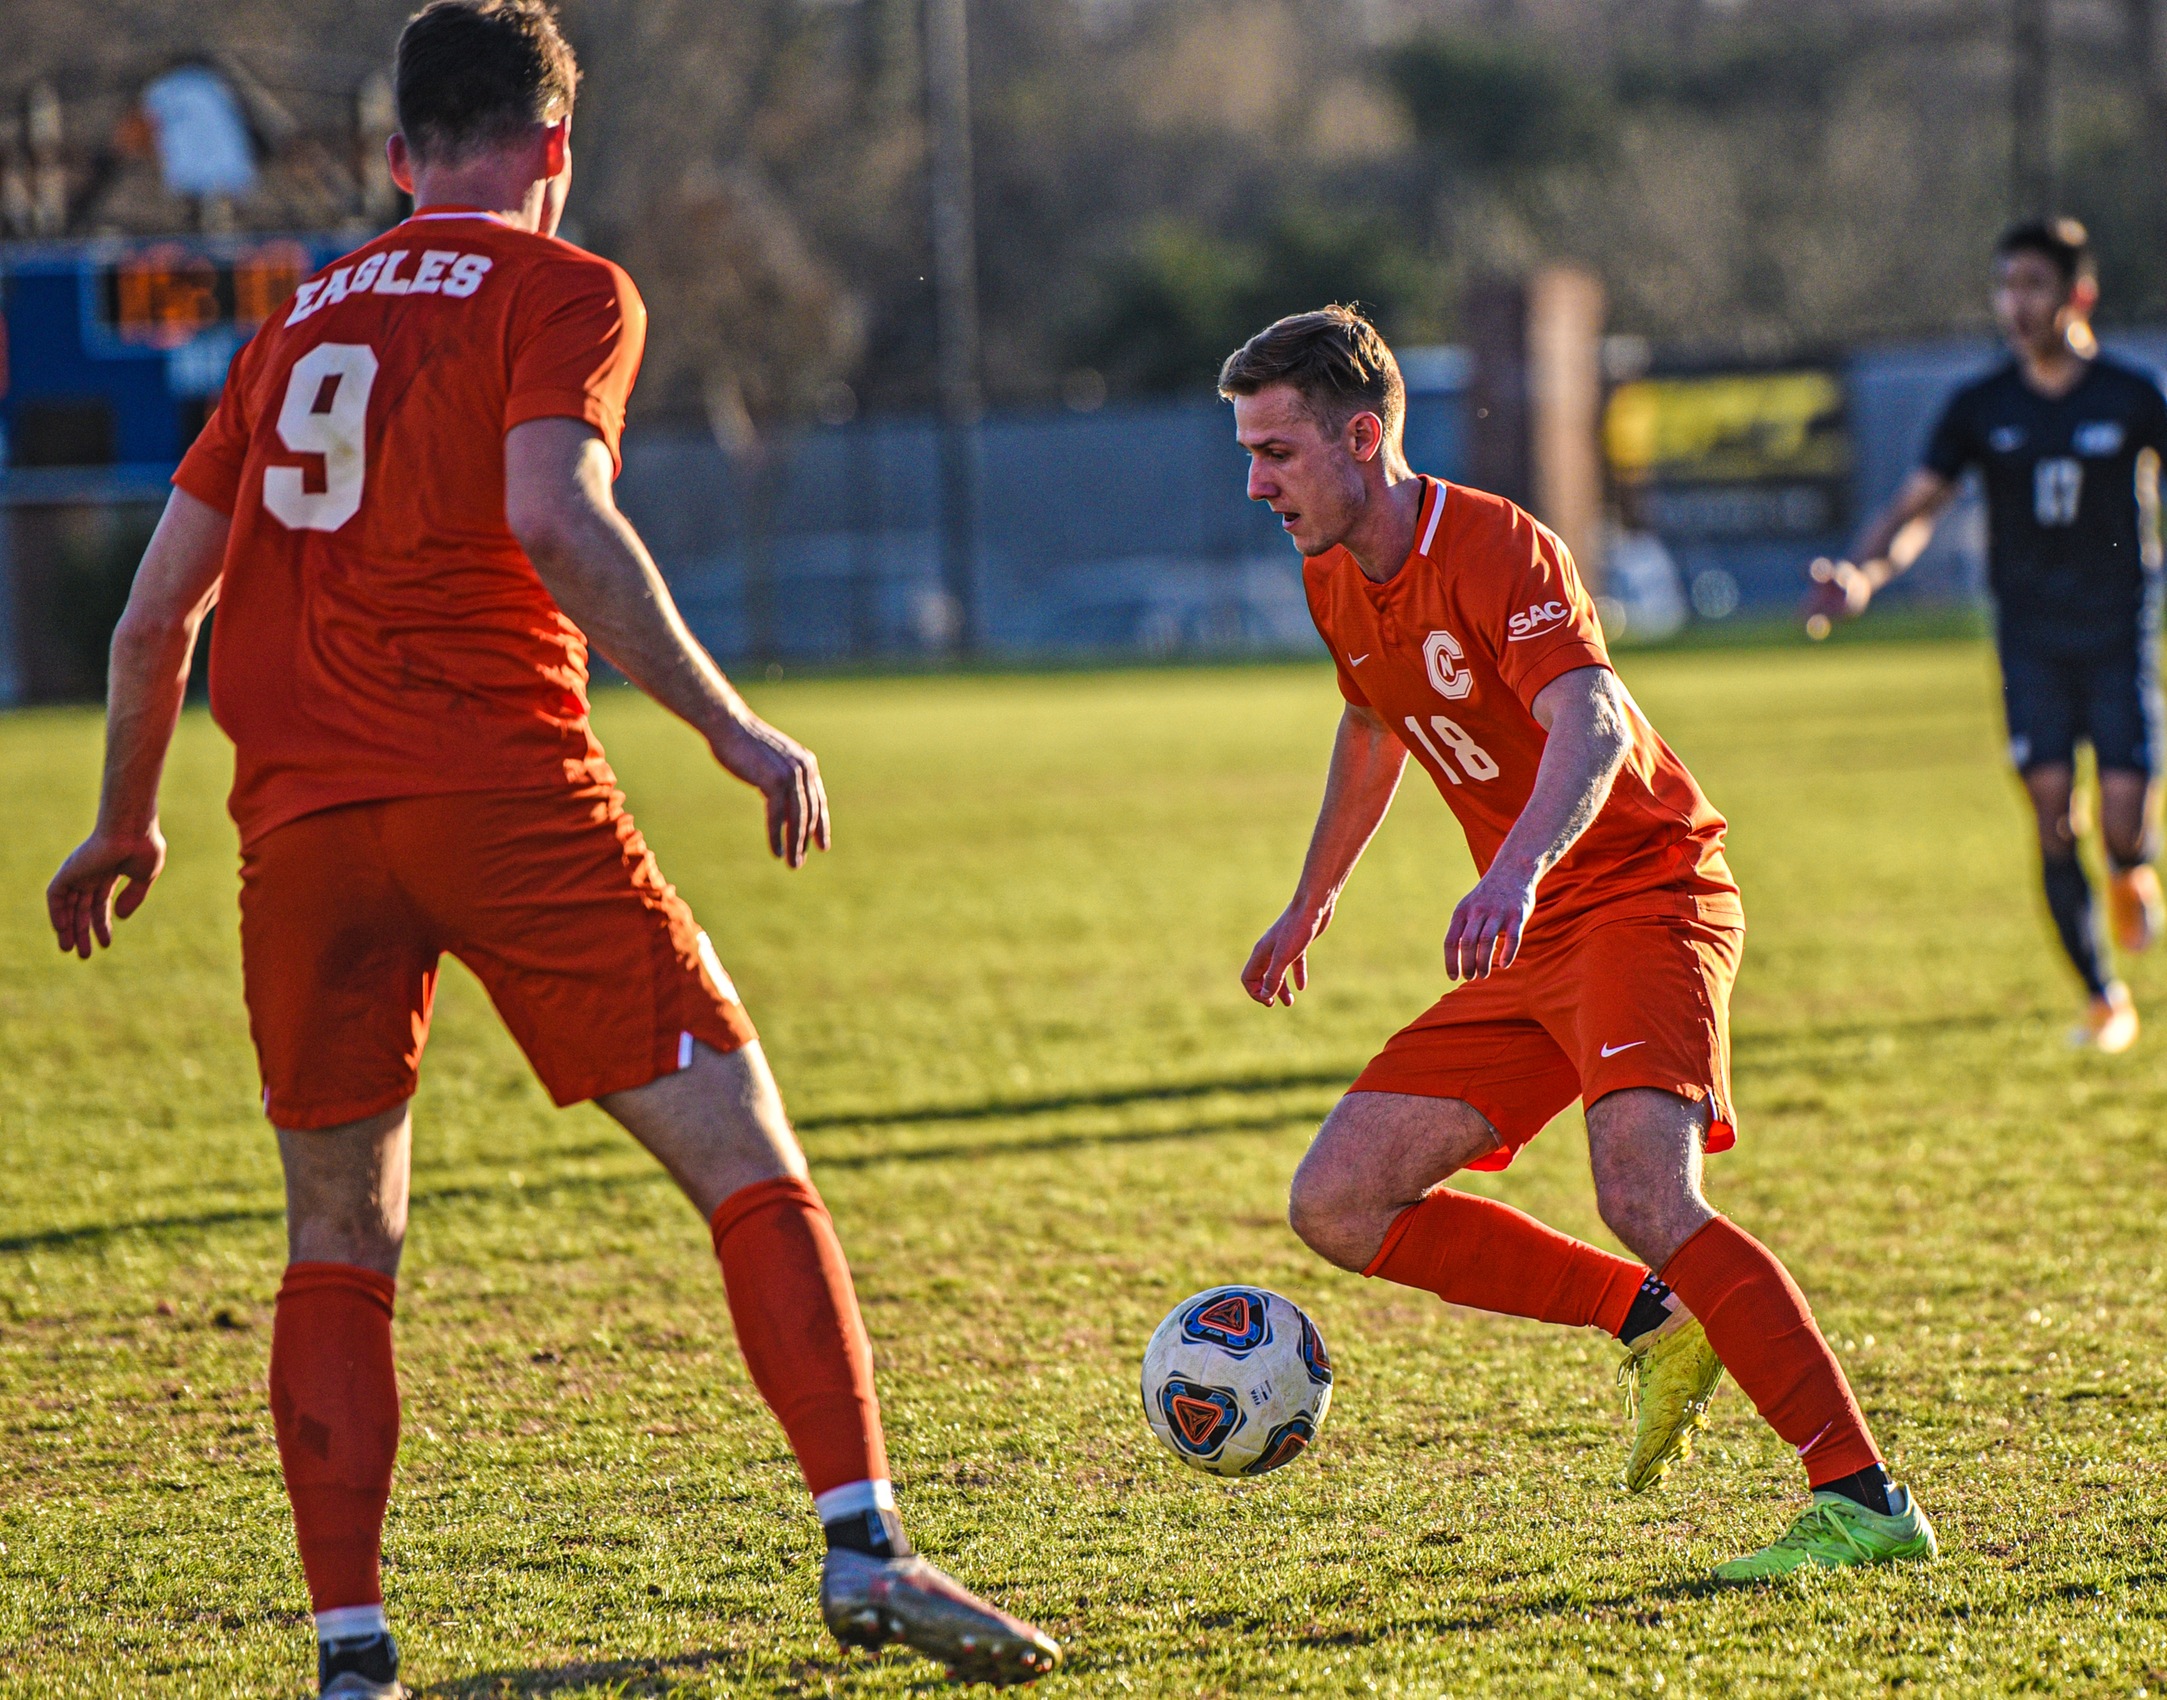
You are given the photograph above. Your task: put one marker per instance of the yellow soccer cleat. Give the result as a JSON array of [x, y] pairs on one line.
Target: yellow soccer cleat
[[2136, 908], [1669, 1376], [2109, 1024], [1834, 1532]]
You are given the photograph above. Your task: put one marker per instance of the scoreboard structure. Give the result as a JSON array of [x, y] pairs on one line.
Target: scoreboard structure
[[112, 354], [115, 350]]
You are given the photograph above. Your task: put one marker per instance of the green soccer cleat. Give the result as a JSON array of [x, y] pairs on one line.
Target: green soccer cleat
[[1669, 1379], [1835, 1531]]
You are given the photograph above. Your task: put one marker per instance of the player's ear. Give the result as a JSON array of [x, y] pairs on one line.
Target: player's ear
[[2084, 295], [556, 145], [401, 160], [1365, 436]]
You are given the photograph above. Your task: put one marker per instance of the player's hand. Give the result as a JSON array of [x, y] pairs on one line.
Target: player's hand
[[784, 772], [1485, 933], [1279, 965], [1840, 591], [81, 901]]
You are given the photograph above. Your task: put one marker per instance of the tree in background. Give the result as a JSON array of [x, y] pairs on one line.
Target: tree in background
[[1157, 177]]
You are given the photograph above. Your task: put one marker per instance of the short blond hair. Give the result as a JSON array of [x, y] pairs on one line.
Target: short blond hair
[[1333, 358]]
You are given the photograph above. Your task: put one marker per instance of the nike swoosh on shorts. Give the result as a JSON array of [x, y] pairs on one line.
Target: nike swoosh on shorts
[[1613, 1050]]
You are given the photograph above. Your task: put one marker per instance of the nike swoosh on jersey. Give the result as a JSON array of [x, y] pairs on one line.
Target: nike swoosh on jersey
[[1613, 1050], [1357, 660]]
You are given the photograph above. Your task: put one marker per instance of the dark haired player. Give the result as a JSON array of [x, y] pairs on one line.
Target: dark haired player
[[402, 508], [1595, 953], [2067, 441]]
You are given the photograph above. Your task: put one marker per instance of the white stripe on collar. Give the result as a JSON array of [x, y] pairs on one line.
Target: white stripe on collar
[[1437, 512]]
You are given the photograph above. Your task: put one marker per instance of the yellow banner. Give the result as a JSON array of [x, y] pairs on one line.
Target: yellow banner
[[1727, 427]]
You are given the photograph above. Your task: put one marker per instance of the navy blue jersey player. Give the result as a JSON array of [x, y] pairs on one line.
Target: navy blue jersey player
[[2067, 443]]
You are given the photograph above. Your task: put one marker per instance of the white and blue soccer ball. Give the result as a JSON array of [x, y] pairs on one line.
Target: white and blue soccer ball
[[1236, 1381]]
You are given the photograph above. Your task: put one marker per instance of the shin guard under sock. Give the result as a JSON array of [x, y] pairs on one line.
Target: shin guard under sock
[[335, 1406], [1759, 1324], [2069, 901], [1476, 1252], [799, 1328]]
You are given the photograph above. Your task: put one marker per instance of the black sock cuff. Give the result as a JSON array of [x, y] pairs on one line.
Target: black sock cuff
[[1868, 1487], [1650, 1308], [875, 1532]]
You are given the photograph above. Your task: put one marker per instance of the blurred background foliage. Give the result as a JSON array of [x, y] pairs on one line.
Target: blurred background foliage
[[1157, 177]]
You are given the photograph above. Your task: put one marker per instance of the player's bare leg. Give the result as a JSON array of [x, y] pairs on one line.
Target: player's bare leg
[[1370, 1197], [2129, 826], [2110, 1019], [719, 1127], [1377, 1154], [334, 1389], [1646, 1151]]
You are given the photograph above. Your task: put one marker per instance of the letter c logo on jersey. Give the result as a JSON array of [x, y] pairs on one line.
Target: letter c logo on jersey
[[1442, 655], [1533, 620]]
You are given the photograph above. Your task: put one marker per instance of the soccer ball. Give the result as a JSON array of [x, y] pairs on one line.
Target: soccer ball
[[1236, 1381]]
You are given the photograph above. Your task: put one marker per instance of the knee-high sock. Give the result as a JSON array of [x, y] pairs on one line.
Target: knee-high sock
[[335, 1405], [2069, 901], [1476, 1252], [1761, 1328], [799, 1328]]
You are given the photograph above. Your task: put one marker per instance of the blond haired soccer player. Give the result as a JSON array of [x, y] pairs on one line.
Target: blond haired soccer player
[[1595, 954], [2059, 433], [402, 509]]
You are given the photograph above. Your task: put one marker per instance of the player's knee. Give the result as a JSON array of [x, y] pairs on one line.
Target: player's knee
[[2130, 849], [362, 1233], [1642, 1210], [1326, 1216], [1309, 1209]]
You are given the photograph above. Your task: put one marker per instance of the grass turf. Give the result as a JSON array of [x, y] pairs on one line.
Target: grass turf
[[1004, 1010]]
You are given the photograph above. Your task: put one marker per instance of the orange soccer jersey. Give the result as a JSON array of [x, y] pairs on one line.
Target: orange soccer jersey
[[1623, 979], [1451, 652], [413, 768], [380, 632]]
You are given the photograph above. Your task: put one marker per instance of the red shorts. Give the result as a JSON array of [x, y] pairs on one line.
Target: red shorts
[[1640, 1001], [552, 898]]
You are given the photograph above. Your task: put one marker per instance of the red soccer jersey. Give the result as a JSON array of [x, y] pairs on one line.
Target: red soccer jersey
[[1453, 649], [380, 632]]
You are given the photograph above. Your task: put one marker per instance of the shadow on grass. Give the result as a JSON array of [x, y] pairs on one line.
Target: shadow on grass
[[1769, 1047], [614, 1677], [1644, 1605], [542, 1185], [995, 1109]]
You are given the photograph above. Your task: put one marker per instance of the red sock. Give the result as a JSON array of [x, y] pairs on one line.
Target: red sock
[[798, 1326], [1761, 1328], [335, 1404], [1476, 1252]]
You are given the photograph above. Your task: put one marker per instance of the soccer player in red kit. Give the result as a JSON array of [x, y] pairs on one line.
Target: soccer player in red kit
[[1595, 954], [402, 509]]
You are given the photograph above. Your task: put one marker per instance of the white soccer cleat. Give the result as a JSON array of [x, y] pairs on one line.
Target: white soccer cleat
[[870, 1601]]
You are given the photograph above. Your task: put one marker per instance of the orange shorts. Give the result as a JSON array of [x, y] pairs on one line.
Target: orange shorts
[[1637, 1001], [552, 898]]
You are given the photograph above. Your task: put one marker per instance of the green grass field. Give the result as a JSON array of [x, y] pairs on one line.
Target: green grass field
[[1005, 1013]]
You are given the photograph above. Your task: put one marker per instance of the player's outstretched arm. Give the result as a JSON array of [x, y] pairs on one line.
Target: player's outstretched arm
[[1586, 714], [1366, 765], [1893, 539], [558, 502], [147, 680]]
